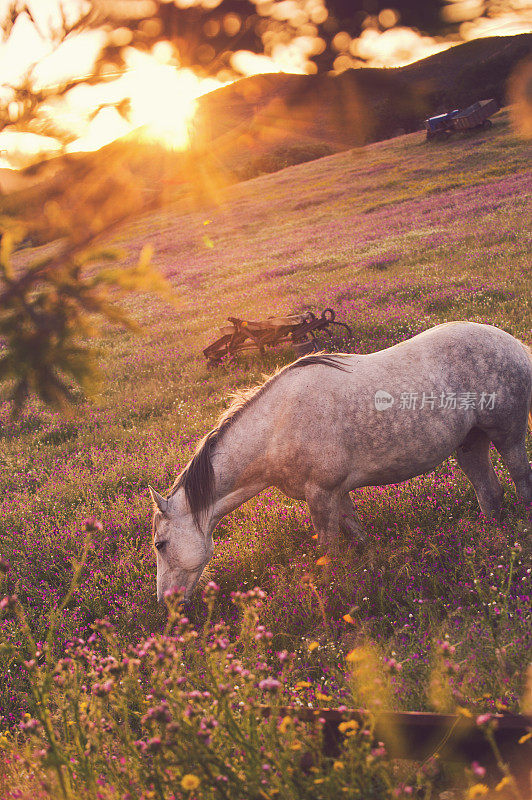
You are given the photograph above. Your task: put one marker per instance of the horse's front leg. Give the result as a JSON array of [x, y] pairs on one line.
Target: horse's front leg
[[324, 508]]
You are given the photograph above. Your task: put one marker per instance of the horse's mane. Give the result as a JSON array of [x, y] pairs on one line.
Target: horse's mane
[[198, 476]]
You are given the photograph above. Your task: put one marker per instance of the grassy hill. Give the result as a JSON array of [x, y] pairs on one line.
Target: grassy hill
[[239, 126], [266, 122], [397, 236]]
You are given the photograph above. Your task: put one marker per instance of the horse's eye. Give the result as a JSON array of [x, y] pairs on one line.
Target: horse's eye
[[160, 546]]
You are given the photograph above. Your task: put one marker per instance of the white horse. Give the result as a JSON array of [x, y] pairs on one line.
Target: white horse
[[328, 424]]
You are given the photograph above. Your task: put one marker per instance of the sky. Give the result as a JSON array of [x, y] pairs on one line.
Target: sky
[[382, 40]]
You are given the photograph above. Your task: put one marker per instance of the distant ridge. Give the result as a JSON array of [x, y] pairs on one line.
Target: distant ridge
[[256, 115], [266, 122]]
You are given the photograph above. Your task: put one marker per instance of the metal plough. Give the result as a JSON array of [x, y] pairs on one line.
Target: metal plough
[[299, 330]]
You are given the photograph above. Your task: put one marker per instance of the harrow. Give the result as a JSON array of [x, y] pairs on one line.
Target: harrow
[[299, 330]]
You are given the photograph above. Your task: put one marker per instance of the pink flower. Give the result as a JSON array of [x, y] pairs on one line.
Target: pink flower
[[9, 601], [92, 525], [269, 684], [155, 743], [174, 592], [211, 589]]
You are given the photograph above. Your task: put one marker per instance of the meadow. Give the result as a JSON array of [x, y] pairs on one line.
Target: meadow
[[396, 237]]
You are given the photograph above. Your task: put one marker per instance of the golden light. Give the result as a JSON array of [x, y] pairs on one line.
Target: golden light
[[162, 97], [394, 47], [388, 17], [106, 126], [162, 101]]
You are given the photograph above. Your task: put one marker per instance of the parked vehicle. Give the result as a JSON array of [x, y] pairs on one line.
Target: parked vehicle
[[441, 126], [474, 116]]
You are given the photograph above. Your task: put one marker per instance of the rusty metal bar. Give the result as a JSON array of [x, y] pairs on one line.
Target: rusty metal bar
[[417, 735]]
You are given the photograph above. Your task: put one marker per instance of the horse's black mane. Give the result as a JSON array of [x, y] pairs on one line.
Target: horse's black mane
[[198, 476]]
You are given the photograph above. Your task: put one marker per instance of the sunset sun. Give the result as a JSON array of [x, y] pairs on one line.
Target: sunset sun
[[163, 99]]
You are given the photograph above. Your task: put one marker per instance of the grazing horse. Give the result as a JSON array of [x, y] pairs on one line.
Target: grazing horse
[[330, 423]]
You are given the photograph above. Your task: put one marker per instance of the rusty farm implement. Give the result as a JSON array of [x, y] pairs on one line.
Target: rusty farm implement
[[305, 332]]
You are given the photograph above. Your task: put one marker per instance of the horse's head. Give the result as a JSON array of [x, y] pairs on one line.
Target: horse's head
[[183, 550]]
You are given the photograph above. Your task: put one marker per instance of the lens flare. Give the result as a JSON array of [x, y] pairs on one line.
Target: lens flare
[[163, 99]]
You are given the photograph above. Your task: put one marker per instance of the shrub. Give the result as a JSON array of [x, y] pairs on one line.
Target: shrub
[[286, 155], [177, 716]]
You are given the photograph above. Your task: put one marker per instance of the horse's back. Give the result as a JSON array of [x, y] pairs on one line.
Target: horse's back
[[459, 352], [386, 416]]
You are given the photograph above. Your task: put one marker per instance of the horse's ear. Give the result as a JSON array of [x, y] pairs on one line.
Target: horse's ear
[[158, 500]]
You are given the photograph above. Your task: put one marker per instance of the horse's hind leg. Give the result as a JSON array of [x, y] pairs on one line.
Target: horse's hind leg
[[350, 523], [513, 453], [325, 513], [473, 457]]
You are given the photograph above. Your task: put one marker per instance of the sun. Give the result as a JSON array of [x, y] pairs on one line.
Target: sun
[[163, 99]]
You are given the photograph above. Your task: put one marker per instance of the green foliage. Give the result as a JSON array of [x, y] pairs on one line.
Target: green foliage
[[49, 314], [52, 307]]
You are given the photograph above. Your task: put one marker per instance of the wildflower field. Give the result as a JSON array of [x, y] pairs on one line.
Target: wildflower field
[[101, 695]]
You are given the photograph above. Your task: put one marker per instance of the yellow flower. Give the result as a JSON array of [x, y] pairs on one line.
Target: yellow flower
[[322, 561], [312, 646], [319, 780], [352, 725], [355, 655], [525, 738], [324, 697], [506, 781], [190, 782], [348, 618], [477, 790], [303, 685], [296, 746], [338, 766], [285, 722]]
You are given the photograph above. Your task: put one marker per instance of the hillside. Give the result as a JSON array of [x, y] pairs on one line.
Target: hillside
[[240, 124], [397, 237], [431, 613], [266, 122]]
